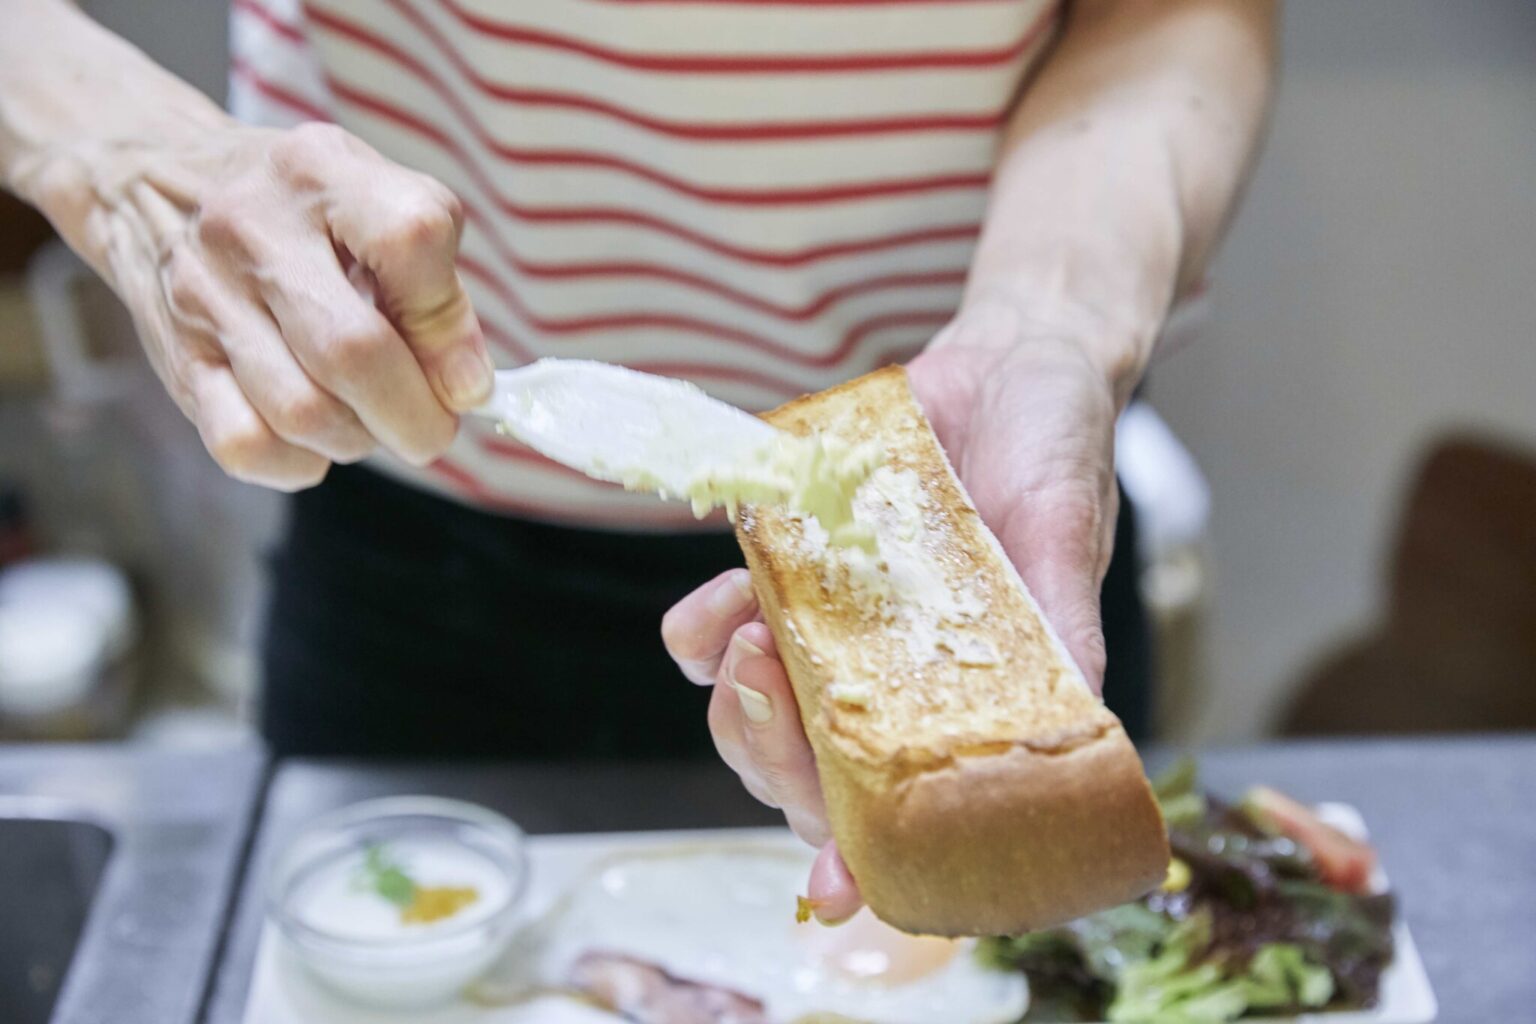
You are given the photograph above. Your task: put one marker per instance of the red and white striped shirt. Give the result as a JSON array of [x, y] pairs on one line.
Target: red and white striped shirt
[[765, 197]]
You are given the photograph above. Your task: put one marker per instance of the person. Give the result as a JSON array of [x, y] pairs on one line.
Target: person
[[766, 199]]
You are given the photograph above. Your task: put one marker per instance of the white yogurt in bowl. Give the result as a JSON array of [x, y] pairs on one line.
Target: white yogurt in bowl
[[400, 902]]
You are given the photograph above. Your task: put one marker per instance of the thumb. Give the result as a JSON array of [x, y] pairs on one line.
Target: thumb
[[1061, 552], [404, 228]]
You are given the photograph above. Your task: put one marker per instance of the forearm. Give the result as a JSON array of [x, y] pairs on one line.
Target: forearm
[[1119, 168], [76, 102]]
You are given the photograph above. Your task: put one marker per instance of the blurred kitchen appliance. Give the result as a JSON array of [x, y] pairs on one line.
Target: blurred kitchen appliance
[[131, 481]]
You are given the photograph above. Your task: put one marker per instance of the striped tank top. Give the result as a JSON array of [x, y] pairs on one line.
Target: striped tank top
[[765, 197]]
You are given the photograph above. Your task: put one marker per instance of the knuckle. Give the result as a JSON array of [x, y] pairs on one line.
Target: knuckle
[[243, 451], [758, 793], [450, 203], [673, 637], [720, 718], [230, 220], [302, 154], [305, 414], [434, 436], [777, 777], [356, 446], [305, 478], [287, 478], [681, 637], [1093, 651], [425, 223], [184, 282], [811, 829], [311, 137], [352, 350]]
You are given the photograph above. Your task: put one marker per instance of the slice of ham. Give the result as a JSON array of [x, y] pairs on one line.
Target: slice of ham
[[646, 994]]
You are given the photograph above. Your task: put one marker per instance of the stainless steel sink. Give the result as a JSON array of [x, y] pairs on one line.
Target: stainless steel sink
[[49, 873], [116, 870]]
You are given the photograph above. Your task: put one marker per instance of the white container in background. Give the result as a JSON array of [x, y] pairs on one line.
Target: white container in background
[[69, 634]]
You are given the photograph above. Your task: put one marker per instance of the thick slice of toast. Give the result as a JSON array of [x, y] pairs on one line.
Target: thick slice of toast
[[974, 783]]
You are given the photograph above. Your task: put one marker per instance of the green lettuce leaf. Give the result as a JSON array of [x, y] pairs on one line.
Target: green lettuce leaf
[[1179, 795], [1174, 988]]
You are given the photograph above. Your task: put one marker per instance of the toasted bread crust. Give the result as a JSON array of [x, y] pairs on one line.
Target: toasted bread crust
[[954, 821]]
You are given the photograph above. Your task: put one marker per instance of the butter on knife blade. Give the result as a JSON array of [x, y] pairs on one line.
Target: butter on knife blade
[[664, 435]]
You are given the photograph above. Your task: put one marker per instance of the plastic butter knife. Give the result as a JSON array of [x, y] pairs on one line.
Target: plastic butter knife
[[615, 424]]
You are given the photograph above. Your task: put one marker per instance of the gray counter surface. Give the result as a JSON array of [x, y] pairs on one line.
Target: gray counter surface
[[1455, 821], [177, 826]]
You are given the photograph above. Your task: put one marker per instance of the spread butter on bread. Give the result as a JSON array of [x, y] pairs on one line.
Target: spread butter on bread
[[974, 784]]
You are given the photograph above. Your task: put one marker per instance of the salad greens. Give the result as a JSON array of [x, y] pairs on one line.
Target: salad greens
[[1245, 924]]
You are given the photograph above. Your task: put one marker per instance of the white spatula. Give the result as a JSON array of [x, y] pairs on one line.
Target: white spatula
[[619, 425]]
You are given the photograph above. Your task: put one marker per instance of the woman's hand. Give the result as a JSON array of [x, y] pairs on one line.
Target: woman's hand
[[717, 637], [294, 290], [1027, 418]]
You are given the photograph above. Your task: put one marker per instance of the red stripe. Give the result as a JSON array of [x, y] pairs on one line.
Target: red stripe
[[682, 129], [685, 63], [705, 131], [703, 328], [509, 342], [782, 387], [835, 193], [293, 33], [966, 231], [658, 272], [277, 93], [522, 353], [496, 336]]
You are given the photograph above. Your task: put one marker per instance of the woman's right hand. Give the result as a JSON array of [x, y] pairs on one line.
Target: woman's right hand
[[294, 290]]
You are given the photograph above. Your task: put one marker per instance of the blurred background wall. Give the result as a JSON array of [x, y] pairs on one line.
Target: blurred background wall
[[1378, 289]]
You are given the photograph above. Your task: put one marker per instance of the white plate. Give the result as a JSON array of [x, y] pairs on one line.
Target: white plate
[[281, 993]]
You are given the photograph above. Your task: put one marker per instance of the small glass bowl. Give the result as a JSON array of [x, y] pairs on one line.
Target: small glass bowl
[[411, 969]]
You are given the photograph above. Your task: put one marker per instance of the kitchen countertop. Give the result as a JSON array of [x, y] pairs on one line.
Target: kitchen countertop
[[1454, 819], [178, 827]]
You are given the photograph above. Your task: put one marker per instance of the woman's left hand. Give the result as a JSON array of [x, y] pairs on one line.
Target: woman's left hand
[[1027, 418]]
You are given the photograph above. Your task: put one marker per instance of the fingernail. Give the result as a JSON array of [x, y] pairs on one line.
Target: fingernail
[[753, 704], [732, 596], [741, 647], [807, 908], [466, 378], [756, 706], [830, 921]]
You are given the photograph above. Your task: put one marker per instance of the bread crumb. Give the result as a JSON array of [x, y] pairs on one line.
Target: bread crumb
[[853, 694]]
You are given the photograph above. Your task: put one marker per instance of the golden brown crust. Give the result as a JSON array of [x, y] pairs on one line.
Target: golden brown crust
[[967, 800]]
